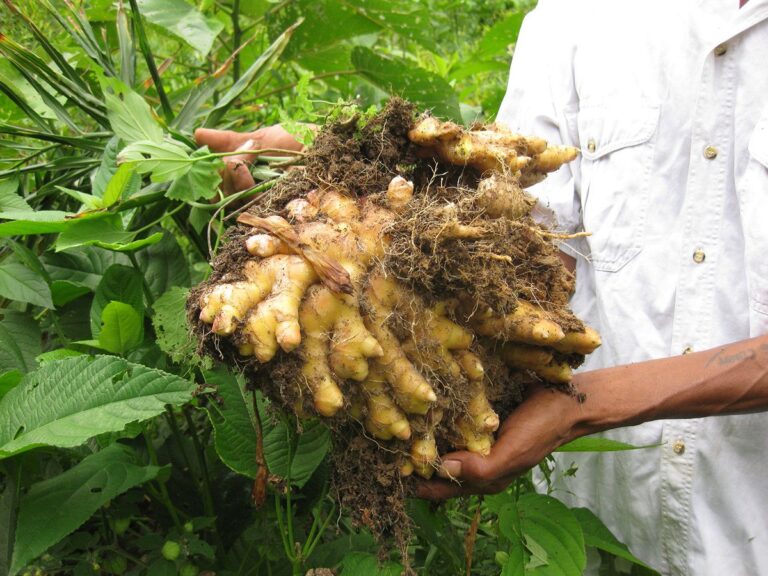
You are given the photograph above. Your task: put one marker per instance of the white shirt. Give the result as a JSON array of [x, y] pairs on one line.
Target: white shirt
[[668, 102]]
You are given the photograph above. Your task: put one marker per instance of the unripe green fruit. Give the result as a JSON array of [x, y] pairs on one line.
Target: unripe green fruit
[[501, 558], [171, 550], [189, 527], [189, 570]]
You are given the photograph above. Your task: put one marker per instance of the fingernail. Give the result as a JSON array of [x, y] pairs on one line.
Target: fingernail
[[449, 469]]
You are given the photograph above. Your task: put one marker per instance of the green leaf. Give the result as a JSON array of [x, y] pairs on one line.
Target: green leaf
[[170, 323], [65, 402], [24, 223], [409, 81], [82, 266], [9, 199], [123, 184], [201, 181], [129, 114], [89, 201], [19, 342], [164, 266], [122, 328], [56, 507], [498, 38], [183, 21], [82, 232], [365, 564], [550, 528], [58, 354], [17, 282], [597, 535], [311, 447], [233, 423], [119, 284], [107, 168], [163, 161], [596, 444], [9, 381]]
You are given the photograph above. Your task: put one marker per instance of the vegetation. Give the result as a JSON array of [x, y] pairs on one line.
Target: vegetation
[[121, 450]]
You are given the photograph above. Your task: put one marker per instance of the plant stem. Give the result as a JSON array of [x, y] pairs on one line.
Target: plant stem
[[236, 39]]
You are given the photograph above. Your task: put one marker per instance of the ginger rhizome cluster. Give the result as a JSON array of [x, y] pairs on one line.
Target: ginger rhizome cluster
[[397, 287]]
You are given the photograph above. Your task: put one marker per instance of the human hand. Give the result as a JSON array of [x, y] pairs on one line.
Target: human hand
[[545, 420], [236, 176]]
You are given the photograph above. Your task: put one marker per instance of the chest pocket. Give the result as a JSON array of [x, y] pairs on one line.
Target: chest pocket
[[755, 217], [617, 146]]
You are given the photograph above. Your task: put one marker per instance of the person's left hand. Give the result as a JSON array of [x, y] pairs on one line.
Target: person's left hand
[[546, 420], [236, 175]]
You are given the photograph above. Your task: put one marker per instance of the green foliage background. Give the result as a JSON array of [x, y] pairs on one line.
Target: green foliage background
[[121, 451]]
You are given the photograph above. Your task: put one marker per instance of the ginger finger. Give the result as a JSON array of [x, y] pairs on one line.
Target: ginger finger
[[527, 324], [326, 395], [579, 342], [479, 411], [525, 356], [384, 419], [424, 455], [264, 245], [552, 158], [328, 317]]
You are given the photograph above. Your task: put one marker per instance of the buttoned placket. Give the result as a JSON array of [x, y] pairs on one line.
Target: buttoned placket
[[712, 123]]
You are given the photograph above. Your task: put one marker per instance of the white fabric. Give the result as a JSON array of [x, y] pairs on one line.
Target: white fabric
[[640, 89]]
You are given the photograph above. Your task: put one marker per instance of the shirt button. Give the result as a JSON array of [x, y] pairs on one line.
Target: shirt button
[[678, 447], [687, 350], [699, 256], [721, 49], [710, 152], [591, 145]]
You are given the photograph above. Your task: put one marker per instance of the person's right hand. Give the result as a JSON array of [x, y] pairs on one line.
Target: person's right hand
[[237, 176]]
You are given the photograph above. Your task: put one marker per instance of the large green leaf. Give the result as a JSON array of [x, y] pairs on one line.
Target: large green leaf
[[17, 282], [549, 532], [122, 328], [83, 266], [56, 507], [308, 450], [597, 535], [183, 21], [233, 423], [129, 114], [19, 342], [23, 223], [119, 284], [164, 266], [406, 79], [169, 320], [65, 402]]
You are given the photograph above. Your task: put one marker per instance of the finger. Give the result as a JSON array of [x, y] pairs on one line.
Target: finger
[[236, 176], [221, 140]]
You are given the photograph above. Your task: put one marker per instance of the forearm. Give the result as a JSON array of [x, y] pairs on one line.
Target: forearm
[[729, 379]]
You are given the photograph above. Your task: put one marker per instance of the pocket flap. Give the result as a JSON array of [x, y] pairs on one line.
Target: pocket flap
[[758, 143], [606, 128]]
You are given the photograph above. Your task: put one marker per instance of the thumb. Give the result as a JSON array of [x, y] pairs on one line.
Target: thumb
[[470, 467]]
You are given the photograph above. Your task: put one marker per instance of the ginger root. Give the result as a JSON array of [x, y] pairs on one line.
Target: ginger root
[[407, 364]]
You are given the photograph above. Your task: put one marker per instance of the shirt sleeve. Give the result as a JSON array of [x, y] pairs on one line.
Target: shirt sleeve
[[541, 101]]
